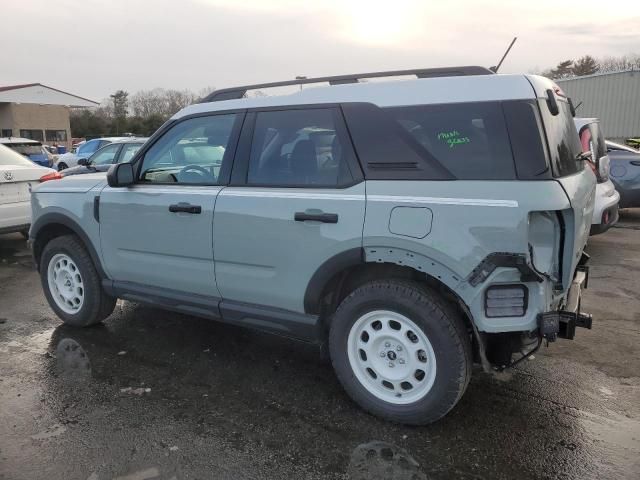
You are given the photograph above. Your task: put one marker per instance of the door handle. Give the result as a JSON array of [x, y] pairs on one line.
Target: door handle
[[185, 208], [635, 162], [316, 217]]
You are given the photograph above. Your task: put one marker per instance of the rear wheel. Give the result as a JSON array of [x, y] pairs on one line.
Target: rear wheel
[[400, 351], [72, 284], [62, 166]]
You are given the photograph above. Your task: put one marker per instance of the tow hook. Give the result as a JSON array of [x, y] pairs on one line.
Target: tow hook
[[584, 320], [562, 324]]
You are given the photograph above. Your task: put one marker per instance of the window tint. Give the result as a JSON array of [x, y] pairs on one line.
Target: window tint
[[299, 147], [105, 155], [469, 140], [128, 151], [190, 152], [562, 137], [6, 132]]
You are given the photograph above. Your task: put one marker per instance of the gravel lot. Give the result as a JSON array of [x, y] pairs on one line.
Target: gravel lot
[[159, 395]]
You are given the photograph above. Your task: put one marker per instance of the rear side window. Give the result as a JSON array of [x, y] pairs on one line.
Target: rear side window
[[469, 140], [301, 147], [562, 137]]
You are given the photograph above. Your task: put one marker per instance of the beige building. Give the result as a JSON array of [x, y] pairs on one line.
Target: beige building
[[38, 112]]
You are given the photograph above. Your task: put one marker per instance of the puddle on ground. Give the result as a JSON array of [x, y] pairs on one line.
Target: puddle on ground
[[380, 461], [72, 361]]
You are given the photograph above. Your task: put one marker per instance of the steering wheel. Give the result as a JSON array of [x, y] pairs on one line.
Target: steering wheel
[[194, 174]]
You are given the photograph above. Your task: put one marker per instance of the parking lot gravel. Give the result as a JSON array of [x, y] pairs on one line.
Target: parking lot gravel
[[157, 395]]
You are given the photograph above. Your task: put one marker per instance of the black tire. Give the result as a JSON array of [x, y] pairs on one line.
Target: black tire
[[25, 234], [444, 328], [96, 305], [62, 166]]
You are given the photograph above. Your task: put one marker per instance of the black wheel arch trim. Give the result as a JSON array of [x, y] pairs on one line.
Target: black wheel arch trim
[[55, 218], [331, 267]]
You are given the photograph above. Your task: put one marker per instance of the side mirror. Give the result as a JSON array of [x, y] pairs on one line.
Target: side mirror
[[120, 175], [83, 162]]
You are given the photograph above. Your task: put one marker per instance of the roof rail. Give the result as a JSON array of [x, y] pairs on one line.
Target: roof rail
[[235, 93]]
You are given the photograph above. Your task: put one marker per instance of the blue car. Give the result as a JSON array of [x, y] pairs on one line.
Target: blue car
[[32, 149]]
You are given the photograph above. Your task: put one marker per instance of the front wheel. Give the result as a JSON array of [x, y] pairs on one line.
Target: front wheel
[[400, 352], [71, 283], [62, 166]]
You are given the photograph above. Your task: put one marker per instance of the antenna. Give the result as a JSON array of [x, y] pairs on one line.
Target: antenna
[[497, 67]]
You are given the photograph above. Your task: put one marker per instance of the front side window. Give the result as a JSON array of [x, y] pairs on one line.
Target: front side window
[[299, 148], [6, 132], [32, 135], [191, 152], [128, 151], [105, 156]]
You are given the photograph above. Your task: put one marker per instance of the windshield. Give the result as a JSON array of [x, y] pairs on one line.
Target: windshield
[[10, 157], [26, 148]]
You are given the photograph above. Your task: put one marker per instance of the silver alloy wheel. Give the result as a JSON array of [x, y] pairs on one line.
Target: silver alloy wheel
[[391, 357], [65, 283]]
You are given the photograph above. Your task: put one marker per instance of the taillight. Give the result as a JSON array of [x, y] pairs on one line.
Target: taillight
[[51, 176]]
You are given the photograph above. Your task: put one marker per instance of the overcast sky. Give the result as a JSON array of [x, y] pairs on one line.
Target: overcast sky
[[93, 47]]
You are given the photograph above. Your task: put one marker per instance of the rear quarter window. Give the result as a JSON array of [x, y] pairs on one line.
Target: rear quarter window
[[468, 140]]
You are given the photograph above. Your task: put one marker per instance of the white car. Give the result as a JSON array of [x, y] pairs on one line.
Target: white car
[[84, 150], [605, 211], [17, 174]]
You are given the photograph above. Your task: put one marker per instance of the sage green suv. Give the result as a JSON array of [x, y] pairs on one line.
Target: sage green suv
[[412, 226]]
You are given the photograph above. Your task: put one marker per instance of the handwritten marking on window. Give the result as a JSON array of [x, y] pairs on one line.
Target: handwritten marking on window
[[453, 138]]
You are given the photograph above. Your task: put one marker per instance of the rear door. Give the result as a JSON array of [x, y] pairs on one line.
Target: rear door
[[296, 201], [159, 232]]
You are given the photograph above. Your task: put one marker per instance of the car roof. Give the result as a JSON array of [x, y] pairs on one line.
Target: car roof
[[9, 140], [129, 140], [111, 139], [456, 89]]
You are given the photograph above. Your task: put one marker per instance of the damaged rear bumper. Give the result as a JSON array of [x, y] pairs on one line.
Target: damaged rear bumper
[[563, 323]]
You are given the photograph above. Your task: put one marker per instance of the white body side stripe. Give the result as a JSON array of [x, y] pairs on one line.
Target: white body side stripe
[[478, 202]]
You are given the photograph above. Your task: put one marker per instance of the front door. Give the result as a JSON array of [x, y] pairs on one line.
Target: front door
[[295, 203], [159, 232]]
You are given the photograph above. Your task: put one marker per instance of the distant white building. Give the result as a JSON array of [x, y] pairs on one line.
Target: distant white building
[[38, 112], [612, 97]]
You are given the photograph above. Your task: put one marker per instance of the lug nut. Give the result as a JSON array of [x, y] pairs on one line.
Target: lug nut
[[401, 361], [391, 364], [387, 344], [382, 354], [399, 348]]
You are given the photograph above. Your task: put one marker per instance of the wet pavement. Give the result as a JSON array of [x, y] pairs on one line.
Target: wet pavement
[[152, 394]]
